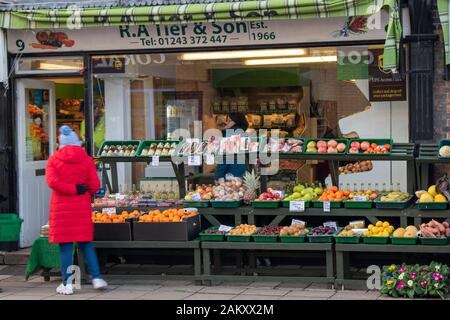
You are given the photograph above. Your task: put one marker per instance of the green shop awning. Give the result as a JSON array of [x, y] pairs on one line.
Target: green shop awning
[[197, 11], [443, 7]]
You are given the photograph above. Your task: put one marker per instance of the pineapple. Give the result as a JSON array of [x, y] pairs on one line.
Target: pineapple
[[251, 183]]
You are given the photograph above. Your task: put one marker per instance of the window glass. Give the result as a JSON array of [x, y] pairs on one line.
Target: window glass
[[37, 139]]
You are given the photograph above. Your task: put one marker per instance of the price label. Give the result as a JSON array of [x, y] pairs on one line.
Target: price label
[[279, 192], [196, 197], [326, 206], [330, 224], [120, 196], [210, 159], [225, 228], [296, 206], [359, 198], [295, 221], [194, 160], [155, 161], [109, 211]]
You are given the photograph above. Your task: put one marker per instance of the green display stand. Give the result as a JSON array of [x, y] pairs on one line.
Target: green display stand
[[44, 255]]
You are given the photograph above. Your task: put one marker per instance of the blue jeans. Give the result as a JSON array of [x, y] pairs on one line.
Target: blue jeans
[[66, 256]]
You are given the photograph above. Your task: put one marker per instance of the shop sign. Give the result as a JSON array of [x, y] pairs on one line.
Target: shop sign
[[384, 85], [199, 35]]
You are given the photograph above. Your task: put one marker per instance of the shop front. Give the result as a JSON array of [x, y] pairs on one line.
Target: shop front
[[137, 77]]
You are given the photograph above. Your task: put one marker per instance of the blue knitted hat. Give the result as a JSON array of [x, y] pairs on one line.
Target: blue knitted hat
[[68, 137]]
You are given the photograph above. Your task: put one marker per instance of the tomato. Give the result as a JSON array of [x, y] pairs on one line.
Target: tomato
[[68, 42], [41, 36], [373, 145], [387, 146]]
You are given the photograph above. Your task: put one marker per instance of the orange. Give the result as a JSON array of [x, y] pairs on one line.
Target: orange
[[334, 188]]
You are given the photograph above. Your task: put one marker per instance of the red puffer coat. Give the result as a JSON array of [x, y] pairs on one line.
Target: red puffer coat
[[70, 214]]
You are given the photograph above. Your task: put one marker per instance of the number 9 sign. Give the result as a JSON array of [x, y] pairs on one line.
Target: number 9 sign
[[20, 45]]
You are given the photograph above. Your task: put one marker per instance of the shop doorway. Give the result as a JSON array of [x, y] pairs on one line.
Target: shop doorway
[[43, 105]]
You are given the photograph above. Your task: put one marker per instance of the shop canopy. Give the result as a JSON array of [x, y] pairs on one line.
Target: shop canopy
[[59, 14], [443, 7]]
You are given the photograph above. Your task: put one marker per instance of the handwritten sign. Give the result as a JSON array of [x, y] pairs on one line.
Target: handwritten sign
[[296, 206]]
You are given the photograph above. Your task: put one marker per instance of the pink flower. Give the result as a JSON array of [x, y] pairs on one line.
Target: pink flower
[[423, 283], [413, 275], [400, 285], [403, 269]]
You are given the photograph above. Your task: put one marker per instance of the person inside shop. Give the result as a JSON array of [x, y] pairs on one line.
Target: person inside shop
[[71, 174], [236, 124]]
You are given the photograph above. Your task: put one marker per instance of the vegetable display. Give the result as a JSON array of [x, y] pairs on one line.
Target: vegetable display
[[269, 231], [380, 229], [169, 215], [408, 232], [322, 230], [434, 229], [294, 230], [243, 230]]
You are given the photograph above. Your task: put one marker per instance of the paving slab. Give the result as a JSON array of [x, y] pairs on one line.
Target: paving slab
[[202, 296], [312, 294], [256, 297], [264, 284], [21, 297], [76, 296], [177, 283], [235, 283], [301, 298], [222, 290], [138, 288], [320, 286], [355, 295], [165, 295], [266, 292], [4, 277], [191, 289], [294, 285], [121, 294], [38, 291]]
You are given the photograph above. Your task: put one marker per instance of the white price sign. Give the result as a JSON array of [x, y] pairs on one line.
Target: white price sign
[[326, 206], [155, 161], [279, 192], [120, 196], [359, 198], [195, 160], [295, 221], [210, 159], [330, 224], [296, 206], [225, 228], [196, 197], [109, 211]]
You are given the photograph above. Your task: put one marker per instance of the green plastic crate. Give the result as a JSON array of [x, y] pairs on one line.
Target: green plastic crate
[[265, 238], [226, 203], [212, 237], [293, 239], [333, 204], [444, 142], [196, 204], [237, 238], [432, 205], [377, 141], [403, 241], [375, 240], [344, 141], [265, 204], [146, 143], [120, 143], [434, 241], [322, 238], [10, 224], [285, 204], [393, 204], [347, 239], [358, 204]]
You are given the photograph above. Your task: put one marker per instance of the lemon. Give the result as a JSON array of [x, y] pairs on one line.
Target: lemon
[[366, 233], [375, 230], [426, 197], [379, 224], [370, 227], [391, 229], [385, 234], [440, 198], [385, 224], [432, 190]]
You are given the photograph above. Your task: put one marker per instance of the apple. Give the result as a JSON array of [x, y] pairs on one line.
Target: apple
[[365, 146], [355, 144], [353, 150], [321, 144], [332, 143], [331, 150], [340, 147], [322, 150], [387, 147]]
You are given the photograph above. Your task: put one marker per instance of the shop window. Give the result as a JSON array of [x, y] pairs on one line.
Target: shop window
[[49, 65], [37, 127]]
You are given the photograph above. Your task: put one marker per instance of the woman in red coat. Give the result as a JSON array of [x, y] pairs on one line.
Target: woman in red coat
[[72, 176]]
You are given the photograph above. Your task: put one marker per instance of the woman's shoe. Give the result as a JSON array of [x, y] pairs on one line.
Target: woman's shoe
[[65, 289], [99, 284]]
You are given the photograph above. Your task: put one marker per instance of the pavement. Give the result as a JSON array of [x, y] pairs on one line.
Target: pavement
[[14, 287]]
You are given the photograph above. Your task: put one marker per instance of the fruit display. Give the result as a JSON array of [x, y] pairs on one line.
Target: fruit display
[[269, 196], [322, 231], [269, 231], [252, 185], [202, 192], [348, 230], [52, 40], [322, 146], [369, 194], [213, 231], [302, 192], [169, 215], [360, 166], [395, 196], [408, 232], [444, 151], [334, 194], [228, 145], [98, 217], [119, 151], [232, 189], [159, 149], [368, 148], [283, 145], [434, 229], [380, 229], [294, 230], [243, 230], [431, 195]]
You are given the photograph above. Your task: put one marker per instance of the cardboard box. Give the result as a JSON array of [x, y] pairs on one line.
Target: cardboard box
[[113, 231]]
